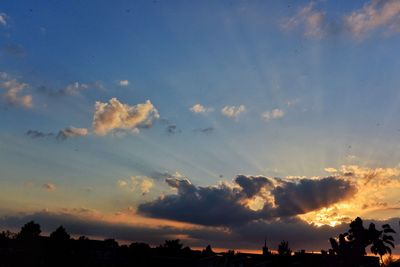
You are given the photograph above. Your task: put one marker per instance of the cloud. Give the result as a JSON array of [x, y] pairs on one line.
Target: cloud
[[123, 82], [165, 175], [383, 14], [198, 109], [73, 89], [330, 170], [62, 134], [374, 186], [273, 114], [233, 111], [49, 187], [114, 115], [3, 19], [65, 133], [207, 130], [251, 185], [212, 205], [134, 183], [293, 198], [309, 20], [13, 94], [38, 134], [232, 204], [172, 129]]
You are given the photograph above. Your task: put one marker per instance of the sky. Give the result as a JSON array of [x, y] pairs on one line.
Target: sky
[[215, 122]]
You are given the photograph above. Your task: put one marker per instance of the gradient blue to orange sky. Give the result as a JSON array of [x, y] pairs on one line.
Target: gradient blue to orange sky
[[216, 122]]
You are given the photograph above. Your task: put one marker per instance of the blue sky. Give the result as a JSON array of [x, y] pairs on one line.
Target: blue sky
[[289, 89]]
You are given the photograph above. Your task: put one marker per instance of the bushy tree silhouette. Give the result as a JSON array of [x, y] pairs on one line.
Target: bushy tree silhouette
[[60, 235], [351, 246], [29, 231], [208, 251], [283, 249]]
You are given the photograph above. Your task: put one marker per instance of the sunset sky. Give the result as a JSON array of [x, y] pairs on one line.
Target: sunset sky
[[216, 122]]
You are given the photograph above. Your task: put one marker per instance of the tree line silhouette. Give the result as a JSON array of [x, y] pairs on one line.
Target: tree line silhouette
[[29, 248]]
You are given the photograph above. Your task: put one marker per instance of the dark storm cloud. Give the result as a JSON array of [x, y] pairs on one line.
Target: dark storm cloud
[[293, 198], [211, 205], [224, 205]]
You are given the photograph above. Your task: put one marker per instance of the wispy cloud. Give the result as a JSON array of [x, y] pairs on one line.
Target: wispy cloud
[[233, 111], [14, 89], [65, 133], [273, 114], [3, 19], [377, 14], [38, 134], [207, 130], [72, 89], [198, 109], [172, 129], [123, 82], [114, 115], [62, 134], [307, 19]]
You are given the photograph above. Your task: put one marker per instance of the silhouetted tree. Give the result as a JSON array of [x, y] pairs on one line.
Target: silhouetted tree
[[171, 247], [60, 235], [207, 251], [283, 249], [381, 240], [351, 246], [83, 238], [29, 231]]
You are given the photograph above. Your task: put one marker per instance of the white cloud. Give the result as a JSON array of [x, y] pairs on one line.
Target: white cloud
[[233, 111], [123, 82], [75, 88], [137, 183], [374, 15], [198, 108], [273, 114], [308, 19], [117, 116], [71, 132], [3, 19], [13, 91]]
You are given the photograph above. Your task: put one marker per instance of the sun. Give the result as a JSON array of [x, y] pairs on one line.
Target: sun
[[331, 216]]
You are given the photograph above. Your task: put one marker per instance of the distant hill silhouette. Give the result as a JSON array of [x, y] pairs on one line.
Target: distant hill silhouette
[[29, 248]]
